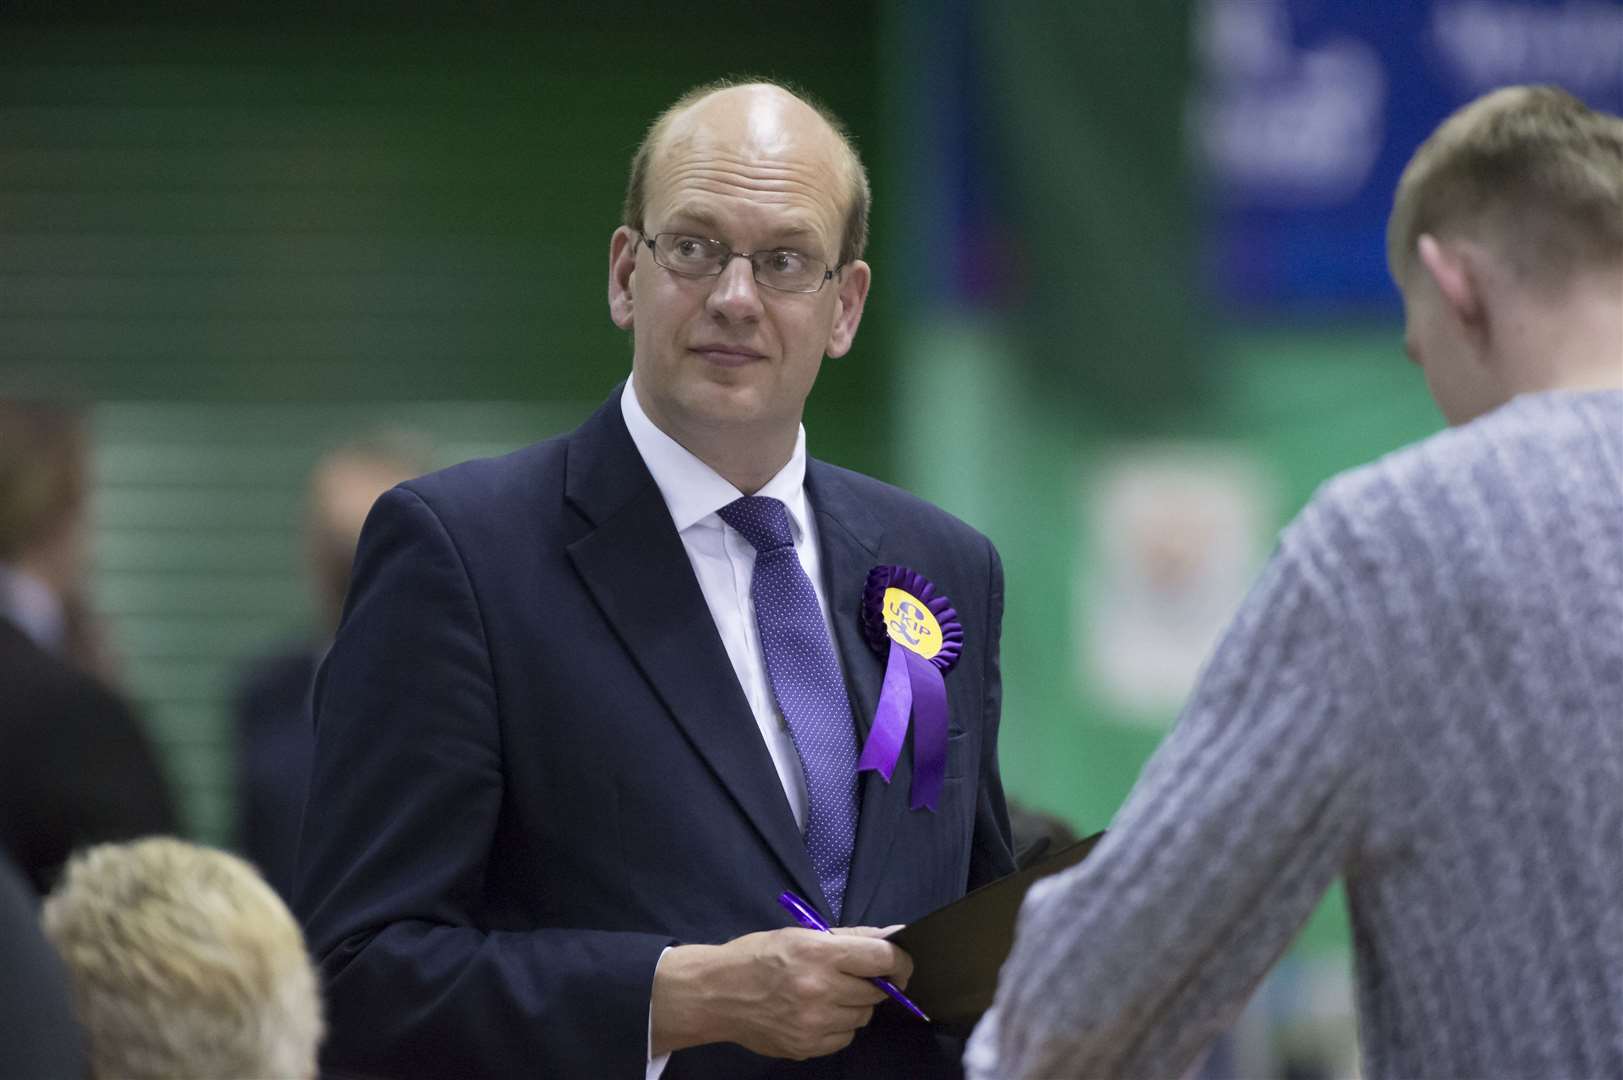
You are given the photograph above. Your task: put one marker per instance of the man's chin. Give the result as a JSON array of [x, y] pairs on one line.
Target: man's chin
[[727, 404]]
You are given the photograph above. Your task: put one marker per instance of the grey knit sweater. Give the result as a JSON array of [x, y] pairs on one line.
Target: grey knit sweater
[[1424, 695]]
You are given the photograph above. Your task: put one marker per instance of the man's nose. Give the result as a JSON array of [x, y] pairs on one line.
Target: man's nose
[[736, 294]]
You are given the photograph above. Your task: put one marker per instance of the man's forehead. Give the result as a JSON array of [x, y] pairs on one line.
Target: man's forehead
[[759, 113], [754, 123], [790, 224], [755, 143]]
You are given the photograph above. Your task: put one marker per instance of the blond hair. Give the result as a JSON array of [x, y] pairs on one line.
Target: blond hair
[[1529, 170], [858, 196], [183, 963]]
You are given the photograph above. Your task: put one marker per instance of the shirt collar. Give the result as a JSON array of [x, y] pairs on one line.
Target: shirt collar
[[36, 610], [693, 491]]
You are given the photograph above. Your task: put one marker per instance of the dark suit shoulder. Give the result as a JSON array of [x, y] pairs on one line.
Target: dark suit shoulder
[[896, 506], [76, 766], [525, 474], [489, 507], [274, 676], [45, 690], [36, 1000]]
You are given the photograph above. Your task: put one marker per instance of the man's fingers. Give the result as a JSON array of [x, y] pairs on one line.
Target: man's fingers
[[816, 988], [826, 1044], [850, 1019], [872, 958], [853, 992], [869, 931]]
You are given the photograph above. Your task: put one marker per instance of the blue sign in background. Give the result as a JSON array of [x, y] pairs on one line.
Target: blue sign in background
[[1307, 111]]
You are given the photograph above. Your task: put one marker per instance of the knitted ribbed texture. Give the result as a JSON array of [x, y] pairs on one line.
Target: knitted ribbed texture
[[1423, 695]]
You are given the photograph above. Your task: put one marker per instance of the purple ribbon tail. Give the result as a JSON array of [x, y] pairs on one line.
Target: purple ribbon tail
[[929, 730], [889, 731]]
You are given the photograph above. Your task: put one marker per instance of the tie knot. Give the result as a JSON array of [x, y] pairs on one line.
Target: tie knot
[[764, 522]]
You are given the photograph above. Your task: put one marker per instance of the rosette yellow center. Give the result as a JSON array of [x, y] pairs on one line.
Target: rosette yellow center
[[911, 624]]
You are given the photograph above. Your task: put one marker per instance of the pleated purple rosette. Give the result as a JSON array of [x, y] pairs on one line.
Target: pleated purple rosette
[[914, 688]]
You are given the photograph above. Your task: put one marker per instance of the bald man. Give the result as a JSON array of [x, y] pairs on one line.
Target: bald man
[[595, 705]]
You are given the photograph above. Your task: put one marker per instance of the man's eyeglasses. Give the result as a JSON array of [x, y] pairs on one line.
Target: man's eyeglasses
[[784, 269]]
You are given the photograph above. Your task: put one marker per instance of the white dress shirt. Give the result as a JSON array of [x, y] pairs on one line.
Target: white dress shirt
[[723, 562]]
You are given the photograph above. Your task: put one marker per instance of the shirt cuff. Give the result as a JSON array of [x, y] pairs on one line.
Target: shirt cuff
[[656, 1065]]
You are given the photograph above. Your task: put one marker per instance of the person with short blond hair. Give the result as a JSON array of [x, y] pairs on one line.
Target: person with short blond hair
[[183, 963], [1423, 694], [1526, 170]]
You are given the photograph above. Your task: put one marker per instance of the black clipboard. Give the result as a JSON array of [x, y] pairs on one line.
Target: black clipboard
[[958, 950]]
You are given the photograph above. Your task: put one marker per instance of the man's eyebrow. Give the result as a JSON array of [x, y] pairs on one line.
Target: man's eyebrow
[[793, 232], [704, 220]]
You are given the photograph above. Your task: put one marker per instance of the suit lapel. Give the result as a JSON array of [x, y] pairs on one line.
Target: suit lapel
[[850, 538], [633, 563]]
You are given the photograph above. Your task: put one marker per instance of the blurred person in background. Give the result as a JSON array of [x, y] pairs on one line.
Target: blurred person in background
[[595, 705], [1036, 834], [1423, 693], [75, 765], [184, 964], [271, 704], [39, 1034]]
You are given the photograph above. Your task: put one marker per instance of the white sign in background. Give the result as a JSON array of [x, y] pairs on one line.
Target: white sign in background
[[1177, 533]]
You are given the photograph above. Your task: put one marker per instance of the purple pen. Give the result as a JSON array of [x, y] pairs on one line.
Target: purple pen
[[807, 916]]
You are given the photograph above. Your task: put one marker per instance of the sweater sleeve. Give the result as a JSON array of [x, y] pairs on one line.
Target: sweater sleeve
[[1132, 961]]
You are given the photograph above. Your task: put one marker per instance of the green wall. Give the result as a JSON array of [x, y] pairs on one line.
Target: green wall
[[243, 234]]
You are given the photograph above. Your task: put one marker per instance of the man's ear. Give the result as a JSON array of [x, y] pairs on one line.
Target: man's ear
[[850, 295], [622, 261], [1450, 268]]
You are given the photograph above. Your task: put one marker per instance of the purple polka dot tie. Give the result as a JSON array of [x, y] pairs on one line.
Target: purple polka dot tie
[[805, 676]]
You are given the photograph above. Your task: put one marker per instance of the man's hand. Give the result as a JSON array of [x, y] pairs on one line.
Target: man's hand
[[783, 993]]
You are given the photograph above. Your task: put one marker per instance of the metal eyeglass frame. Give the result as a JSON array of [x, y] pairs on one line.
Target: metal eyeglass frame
[[729, 255]]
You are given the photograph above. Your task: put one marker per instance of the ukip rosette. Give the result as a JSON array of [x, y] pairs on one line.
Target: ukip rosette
[[916, 629]]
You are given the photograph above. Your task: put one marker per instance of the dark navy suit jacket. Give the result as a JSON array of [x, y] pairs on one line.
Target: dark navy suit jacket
[[275, 741], [76, 766], [535, 769]]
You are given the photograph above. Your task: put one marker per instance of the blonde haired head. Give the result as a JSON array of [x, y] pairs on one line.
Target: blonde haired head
[[184, 963], [1527, 170]]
